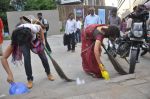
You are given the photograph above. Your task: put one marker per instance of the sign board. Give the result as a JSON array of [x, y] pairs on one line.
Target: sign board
[[101, 14], [79, 12], [69, 1]]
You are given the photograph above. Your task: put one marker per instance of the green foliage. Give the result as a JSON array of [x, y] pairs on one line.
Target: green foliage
[[3, 16], [28, 4], [4, 5], [40, 5], [62, 30], [7, 38]]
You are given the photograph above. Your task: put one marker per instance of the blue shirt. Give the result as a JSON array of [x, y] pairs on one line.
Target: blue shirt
[[91, 20]]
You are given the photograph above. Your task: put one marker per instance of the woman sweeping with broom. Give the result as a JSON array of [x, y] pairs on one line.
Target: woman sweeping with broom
[[92, 40], [24, 38]]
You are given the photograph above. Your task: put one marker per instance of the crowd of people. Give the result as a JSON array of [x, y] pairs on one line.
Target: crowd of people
[[90, 33]]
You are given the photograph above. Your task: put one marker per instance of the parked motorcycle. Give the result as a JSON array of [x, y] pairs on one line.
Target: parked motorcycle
[[131, 45], [146, 45]]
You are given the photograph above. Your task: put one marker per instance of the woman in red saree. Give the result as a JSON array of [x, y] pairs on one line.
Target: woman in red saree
[[92, 39]]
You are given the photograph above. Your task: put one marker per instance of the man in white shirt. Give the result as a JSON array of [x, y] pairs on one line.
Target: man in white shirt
[[78, 32], [70, 31], [92, 18]]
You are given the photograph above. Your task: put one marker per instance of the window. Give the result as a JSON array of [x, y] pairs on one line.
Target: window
[[90, 2]]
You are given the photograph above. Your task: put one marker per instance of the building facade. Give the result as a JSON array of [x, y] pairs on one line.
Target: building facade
[[126, 6], [94, 2]]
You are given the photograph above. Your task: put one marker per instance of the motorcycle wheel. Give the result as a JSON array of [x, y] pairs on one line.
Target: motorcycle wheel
[[132, 61], [144, 49], [112, 50], [144, 52]]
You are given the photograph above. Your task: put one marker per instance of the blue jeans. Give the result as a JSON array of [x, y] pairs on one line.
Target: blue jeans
[[27, 61], [78, 35]]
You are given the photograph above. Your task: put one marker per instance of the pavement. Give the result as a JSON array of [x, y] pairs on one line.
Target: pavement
[[131, 86]]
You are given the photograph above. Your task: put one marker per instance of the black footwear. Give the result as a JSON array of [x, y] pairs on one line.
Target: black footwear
[[68, 50], [73, 51]]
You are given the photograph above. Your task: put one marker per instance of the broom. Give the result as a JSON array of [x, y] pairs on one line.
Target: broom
[[57, 68], [116, 65]]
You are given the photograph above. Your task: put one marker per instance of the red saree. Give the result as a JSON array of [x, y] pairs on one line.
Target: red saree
[[89, 62]]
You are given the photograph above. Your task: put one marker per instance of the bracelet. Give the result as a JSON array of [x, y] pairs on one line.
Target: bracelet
[[101, 65]]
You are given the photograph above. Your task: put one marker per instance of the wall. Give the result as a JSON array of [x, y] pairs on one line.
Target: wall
[[51, 15], [64, 10]]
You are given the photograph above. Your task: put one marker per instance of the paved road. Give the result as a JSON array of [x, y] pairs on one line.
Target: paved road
[[136, 86]]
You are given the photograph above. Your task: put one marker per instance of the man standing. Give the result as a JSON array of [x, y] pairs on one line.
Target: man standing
[[70, 32], [78, 32], [113, 19], [45, 23], [1, 35], [92, 18]]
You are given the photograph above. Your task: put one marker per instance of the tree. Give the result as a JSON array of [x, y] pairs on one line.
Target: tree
[[4, 7], [40, 5], [21, 5], [18, 4]]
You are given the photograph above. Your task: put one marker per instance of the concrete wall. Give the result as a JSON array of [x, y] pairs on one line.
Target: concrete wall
[[51, 15]]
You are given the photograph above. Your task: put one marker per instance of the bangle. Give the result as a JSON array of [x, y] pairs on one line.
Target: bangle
[[101, 65]]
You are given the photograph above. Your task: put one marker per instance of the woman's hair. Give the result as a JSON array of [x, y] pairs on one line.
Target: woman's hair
[[21, 36], [111, 31]]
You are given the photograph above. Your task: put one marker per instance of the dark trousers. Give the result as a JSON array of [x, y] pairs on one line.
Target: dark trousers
[[27, 61], [78, 35], [47, 45], [71, 42]]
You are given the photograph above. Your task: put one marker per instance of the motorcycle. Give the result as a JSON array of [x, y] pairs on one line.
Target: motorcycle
[[131, 45], [146, 45]]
